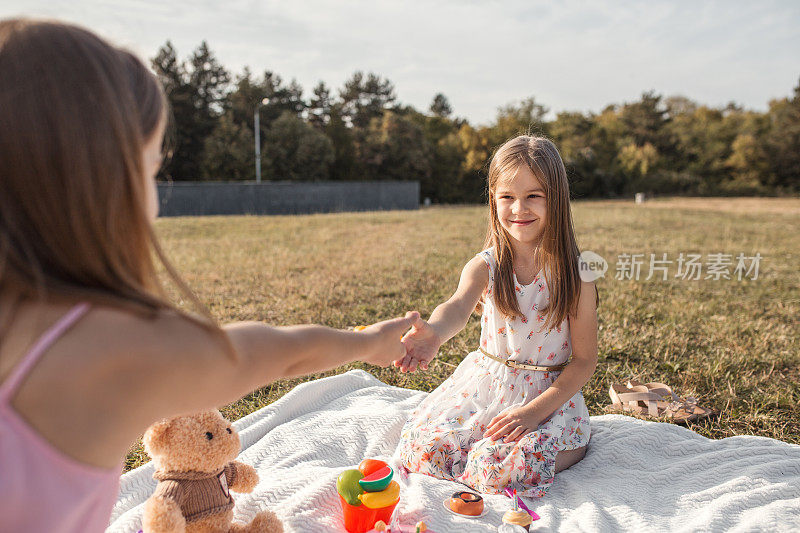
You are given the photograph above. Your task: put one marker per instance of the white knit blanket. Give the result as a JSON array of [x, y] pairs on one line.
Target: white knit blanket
[[636, 476]]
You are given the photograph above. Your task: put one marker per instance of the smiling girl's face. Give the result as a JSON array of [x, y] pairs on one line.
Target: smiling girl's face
[[521, 206]]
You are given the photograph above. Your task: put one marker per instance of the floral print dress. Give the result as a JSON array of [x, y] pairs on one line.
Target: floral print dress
[[444, 436]]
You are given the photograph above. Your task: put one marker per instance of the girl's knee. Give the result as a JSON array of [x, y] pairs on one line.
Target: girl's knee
[[567, 458]]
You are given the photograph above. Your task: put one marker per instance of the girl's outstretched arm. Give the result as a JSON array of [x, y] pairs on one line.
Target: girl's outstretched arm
[[516, 422], [425, 338], [200, 375]]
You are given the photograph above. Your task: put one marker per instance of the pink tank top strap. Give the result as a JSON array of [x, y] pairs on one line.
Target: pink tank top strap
[[9, 386]]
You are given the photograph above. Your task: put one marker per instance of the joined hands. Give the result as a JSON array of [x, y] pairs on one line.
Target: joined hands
[[422, 344]]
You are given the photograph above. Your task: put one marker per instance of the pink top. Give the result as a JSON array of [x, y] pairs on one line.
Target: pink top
[[41, 488]]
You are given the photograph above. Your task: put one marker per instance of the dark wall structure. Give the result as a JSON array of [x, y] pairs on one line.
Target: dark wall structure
[[284, 198]]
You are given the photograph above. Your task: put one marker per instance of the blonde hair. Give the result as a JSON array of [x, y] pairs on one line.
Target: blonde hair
[[558, 251], [76, 113]]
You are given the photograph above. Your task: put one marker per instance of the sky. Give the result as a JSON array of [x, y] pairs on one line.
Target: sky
[[569, 55]]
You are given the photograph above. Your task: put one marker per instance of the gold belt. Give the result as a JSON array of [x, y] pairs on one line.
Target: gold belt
[[513, 364]]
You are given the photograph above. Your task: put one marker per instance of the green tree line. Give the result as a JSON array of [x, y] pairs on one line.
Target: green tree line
[[656, 145]]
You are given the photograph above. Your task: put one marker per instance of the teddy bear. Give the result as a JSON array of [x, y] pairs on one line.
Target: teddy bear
[[195, 469]]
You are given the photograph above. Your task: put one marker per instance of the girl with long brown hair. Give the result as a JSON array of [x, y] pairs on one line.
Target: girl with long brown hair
[[512, 414], [91, 349]]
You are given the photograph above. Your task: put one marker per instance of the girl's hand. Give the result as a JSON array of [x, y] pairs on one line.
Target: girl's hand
[[422, 344], [514, 423], [385, 345]]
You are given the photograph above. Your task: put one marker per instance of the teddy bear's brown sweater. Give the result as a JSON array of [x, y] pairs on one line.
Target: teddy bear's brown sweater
[[199, 494]]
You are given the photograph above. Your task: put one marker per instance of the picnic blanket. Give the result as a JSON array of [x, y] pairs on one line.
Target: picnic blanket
[[636, 476]]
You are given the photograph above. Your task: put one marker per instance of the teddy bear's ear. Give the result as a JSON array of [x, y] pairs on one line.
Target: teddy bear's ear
[[156, 437]]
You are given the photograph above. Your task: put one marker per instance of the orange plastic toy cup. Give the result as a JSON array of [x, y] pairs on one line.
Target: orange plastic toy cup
[[358, 519]]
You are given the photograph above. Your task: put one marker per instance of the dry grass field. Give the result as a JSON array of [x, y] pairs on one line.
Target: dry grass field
[[735, 345]]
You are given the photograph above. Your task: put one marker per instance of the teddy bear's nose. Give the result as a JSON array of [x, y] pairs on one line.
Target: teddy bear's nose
[[228, 430], [209, 435]]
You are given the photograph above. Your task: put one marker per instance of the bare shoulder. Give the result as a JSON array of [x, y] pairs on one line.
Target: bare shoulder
[[589, 292], [583, 325], [108, 377], [479, 262], [474, 280], [166, 338], [476, 270], [587, 300], [147, 361]]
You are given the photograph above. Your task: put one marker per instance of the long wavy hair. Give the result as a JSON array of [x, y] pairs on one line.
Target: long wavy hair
[[76, 113], [558, 251]]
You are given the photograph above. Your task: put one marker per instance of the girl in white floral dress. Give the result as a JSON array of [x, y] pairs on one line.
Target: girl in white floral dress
[[512, 414]]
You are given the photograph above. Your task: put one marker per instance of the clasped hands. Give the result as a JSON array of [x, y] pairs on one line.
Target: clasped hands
[[422, 344]]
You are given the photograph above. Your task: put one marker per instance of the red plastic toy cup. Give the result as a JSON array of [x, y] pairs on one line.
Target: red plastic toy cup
[[358, 519]]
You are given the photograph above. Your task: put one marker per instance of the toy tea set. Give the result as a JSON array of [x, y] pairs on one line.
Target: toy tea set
[[194, 460], [369, 497], [469, 504]]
